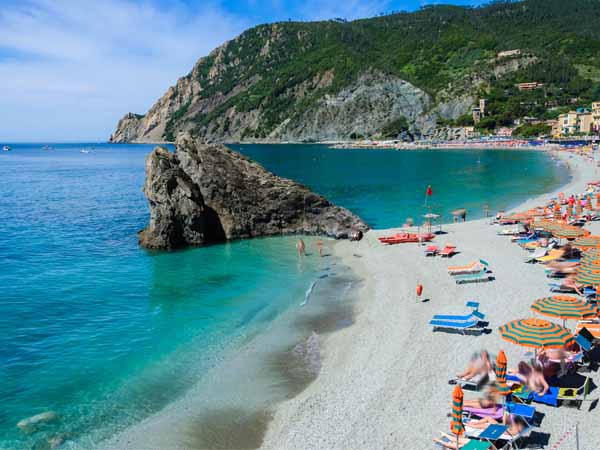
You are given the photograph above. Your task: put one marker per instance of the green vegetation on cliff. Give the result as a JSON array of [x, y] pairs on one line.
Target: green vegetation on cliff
[[283, 69]]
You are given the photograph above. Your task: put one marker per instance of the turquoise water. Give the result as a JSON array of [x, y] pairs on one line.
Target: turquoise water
[[386, 187], [105, 333]]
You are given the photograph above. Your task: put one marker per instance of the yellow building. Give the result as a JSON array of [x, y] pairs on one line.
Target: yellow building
[[567, 123], [584, 122], [596, 117]]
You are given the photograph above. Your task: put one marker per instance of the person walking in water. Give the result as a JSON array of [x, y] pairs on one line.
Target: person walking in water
[[319, 245], [301, 247]]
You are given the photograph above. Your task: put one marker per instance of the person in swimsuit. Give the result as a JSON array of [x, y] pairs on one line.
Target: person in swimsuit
[[480, 365]]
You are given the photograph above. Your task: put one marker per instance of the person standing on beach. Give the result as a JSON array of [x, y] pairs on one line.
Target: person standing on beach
[[319, 245], [301, 247]]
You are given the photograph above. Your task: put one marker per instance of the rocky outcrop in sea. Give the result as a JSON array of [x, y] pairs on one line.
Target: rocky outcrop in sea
[[203, 194]]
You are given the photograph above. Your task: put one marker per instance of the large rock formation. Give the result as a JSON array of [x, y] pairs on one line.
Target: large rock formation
[[203, 194]]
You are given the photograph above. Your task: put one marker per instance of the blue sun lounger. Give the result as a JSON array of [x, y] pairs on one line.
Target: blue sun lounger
[[473, 315]]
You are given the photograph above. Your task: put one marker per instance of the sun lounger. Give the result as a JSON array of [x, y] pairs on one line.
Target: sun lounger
[[472, 267], [560, 288], [448, 251], [459, 327], [473, 315], [472, 383], [447, 441], [432, 250], [552, 256], [539, 252], [479, 434], [592, 327], [474, 278], [495, 412], [512, 230]]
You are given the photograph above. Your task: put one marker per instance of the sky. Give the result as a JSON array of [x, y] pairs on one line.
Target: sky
[[70, 69]]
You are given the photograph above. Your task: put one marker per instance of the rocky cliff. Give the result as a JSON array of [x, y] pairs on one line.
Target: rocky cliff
[[203, 194], [337, 80]]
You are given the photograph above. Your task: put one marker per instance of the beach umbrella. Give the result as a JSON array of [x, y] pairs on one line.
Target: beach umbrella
[[588, 273], [569, 210], [568, 232], [557, 212], [579, 207], [588, 203], [587, 242], [536, 333], [456, 424], [500, 370], [564, 307]]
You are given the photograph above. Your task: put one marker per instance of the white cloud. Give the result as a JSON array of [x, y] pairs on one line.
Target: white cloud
[[71, 69]]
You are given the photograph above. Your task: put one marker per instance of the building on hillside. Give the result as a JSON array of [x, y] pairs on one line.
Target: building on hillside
[[504, 132], [568, 123], [596, 117], [477, 115], [482, 105], [529, 86], [584, 122], [556, 127], [579, 121], [509, 53], [470, 133]]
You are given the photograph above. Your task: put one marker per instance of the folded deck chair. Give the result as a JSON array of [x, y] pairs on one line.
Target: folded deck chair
[[460, 327], [447, 441]]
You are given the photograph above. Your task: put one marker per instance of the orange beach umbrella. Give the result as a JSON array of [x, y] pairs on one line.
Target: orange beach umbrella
[[500, 371], [587, 242], [564, 307]]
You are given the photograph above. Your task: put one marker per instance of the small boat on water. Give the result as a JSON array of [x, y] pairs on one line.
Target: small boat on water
[[6, 148], [403, 238], [83, 150], [46, 147]]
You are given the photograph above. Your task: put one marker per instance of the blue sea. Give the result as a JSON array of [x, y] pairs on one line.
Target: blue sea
[[106, 334]]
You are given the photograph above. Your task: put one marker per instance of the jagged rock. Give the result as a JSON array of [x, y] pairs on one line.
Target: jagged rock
[[207, 193]]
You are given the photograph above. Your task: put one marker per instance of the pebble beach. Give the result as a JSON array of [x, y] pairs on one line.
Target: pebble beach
[[384, 380]]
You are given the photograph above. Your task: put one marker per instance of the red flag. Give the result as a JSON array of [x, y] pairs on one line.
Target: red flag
[[429, 191]]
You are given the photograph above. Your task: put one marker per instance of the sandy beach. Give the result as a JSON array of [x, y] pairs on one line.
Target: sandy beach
[[384, 380]]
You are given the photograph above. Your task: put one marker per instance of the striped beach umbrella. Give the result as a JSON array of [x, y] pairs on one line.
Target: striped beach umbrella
[[536, 333], [456, 424], [588, 274], [569, 210], [588, 203], [578, 207], [586, 242], [564, 307], [500, 370], [557, 212], [569, 232]]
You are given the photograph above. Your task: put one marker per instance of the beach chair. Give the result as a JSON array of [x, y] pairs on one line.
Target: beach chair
[[473, 383], [474, 278], [553, 255], [539, 252], [561, 288], [494, 433], [473, 267], [447, 441], [495, 412], [432, 250], [448, 251], [473, 315], [469, 327]]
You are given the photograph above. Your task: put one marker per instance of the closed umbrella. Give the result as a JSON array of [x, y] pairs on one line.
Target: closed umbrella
[[500, 370], [536, 333], [456, 424]]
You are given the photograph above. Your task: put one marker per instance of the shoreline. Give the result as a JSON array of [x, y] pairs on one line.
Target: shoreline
[[363, 398]]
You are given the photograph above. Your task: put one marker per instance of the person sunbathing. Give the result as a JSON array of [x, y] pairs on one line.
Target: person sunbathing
[[490, 400], [480, 364], [562, 265], [451, 441], [515, 424], [531, 376]]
